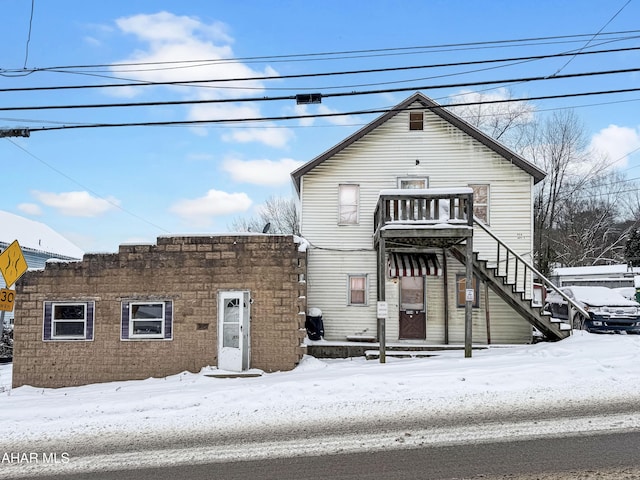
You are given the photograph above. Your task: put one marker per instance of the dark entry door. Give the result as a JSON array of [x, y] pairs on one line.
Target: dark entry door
[[413, 317]]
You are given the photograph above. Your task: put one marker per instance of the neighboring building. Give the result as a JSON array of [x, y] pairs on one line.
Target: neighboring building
[[232, 301], [612, 276], [386, 215], [38, 243]]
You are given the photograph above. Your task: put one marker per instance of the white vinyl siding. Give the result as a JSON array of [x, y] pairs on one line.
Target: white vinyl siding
[[448, 158]]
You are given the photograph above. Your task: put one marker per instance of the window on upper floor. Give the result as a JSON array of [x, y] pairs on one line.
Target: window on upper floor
[[357, 290], [481, 201], [143, 319], [348, 199], [416, 120], [68, 321], [412, 183]]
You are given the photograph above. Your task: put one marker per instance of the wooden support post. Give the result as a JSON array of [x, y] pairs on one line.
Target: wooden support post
[[382, 327], [487, 312], [469, 297], [446, 296]]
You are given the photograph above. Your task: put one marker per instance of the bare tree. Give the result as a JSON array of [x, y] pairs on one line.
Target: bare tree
[[504, 121], [583, 212], [558, 145], [280, 214]]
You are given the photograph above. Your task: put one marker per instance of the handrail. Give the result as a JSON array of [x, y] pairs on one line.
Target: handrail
[[544, 280]]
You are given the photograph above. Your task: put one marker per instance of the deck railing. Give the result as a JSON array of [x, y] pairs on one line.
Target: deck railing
[[424, 206], [520, 273]]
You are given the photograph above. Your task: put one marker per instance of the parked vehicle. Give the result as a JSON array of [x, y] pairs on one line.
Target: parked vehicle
[[609, 312], [626, 292]]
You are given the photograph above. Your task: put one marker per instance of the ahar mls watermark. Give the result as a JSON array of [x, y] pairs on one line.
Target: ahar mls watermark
[[34, 458]]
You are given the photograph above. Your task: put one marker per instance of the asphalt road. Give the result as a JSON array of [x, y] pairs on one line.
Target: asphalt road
[[614, 456]]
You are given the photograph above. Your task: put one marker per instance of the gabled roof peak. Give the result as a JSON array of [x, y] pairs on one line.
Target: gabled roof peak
[[443, 113]]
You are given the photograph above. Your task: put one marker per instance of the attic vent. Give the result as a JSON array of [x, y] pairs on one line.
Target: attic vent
[[416, 121]]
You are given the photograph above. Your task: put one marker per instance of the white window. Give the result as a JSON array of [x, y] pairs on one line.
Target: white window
[[357, 290], [68, 320], [348, 198], [409, 183], [481, 201], [147, 319]]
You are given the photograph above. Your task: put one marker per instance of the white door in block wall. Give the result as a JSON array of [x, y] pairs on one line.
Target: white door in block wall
[[233, 331]]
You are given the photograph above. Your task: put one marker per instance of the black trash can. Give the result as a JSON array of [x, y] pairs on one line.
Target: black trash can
[[314, 325]]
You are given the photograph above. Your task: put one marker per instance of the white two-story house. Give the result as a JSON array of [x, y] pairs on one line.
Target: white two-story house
[[386, 214]]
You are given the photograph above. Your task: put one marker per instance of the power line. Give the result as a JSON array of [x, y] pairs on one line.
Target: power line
[[26, 53], [318, 115], [110, 202], [328, 95], [418, 49], [320, 74], [592, 38]]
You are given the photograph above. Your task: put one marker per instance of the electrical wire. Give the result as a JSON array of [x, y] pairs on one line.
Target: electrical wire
[[328, 95], [592, 38], [412, 49], [26, 53], [110, 202], [208, 82], [320, 115]]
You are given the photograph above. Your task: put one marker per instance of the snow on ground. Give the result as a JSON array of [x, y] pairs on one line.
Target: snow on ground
[[596, 369]]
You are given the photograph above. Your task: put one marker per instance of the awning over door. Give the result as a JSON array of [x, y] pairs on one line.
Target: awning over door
[[413, 264]]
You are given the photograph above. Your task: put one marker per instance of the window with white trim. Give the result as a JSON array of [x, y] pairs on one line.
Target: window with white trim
[[147, 319], [68, 320], [357, 290], [412, 183], [348, 199], [481, 201]]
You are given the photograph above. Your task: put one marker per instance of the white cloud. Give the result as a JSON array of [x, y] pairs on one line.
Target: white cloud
[[77, 204], [616, 143], [30, 209], [165, 27], [269, 135], [337, 120], [201, 211], [303, 110], [167, 38], [261, 172], [223, 111]]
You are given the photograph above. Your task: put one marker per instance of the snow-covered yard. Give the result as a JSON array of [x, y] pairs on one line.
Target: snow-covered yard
[[586, 368]]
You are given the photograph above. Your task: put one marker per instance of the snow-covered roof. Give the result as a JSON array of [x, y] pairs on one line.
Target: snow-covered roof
[[35, 236], [594, 270], [428, 191]]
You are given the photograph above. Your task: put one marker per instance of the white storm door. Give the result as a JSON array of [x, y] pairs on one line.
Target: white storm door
[[233, 331]]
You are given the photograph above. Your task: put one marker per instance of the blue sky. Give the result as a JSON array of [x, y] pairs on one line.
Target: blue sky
[[101, 187]]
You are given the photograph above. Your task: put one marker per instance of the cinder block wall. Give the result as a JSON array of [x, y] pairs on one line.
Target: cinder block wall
[[190, 271]]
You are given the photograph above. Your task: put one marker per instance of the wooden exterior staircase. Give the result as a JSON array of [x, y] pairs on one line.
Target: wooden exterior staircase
[[511, 277]]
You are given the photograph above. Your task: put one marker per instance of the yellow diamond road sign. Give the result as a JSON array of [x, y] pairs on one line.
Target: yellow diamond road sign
[[6, 299], [12, 264]]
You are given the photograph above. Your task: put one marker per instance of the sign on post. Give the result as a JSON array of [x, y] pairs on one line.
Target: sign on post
[[382, 309], [6, 299], [470, 295], [12, 264]]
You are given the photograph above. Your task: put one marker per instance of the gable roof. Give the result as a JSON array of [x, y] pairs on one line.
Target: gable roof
[[443, 113]]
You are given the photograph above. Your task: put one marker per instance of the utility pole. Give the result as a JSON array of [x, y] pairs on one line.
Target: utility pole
[[14, 132]]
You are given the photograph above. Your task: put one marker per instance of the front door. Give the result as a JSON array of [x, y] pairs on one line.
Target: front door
[[233, 331], [413, 317]]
